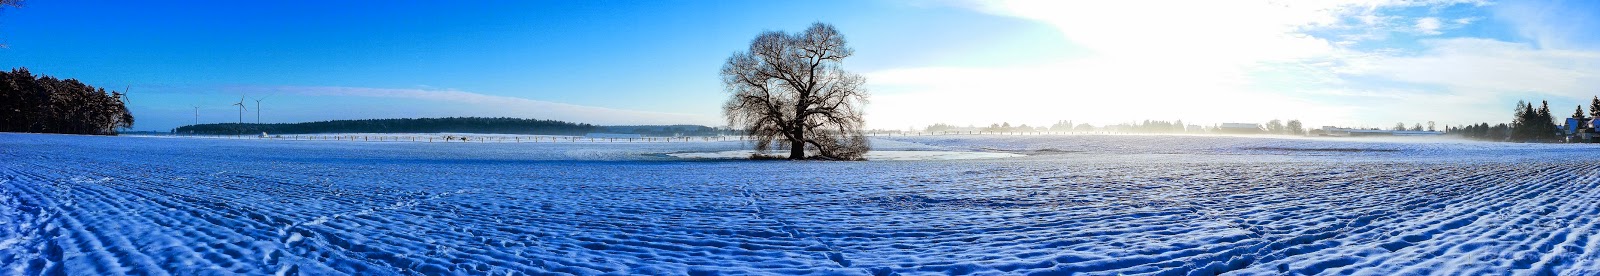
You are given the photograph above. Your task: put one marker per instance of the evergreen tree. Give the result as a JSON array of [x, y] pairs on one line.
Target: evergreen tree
[[1545, 125], [1594, 107], [1521, 122], [1578, 114]]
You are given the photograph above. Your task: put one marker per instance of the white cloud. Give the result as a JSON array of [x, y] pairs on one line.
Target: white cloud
[[1097, 90], [1252, 61], [1549, 24], [1429, 25], [1486, 67], [1211, 32]]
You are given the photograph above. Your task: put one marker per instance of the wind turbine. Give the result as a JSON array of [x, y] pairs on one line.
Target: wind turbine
[[241, 109], [258, 109], [123, 96], [123, 99]]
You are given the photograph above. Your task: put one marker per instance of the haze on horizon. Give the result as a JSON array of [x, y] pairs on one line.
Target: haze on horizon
[[1360, 63]]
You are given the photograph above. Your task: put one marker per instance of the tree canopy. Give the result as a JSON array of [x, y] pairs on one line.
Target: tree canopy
[[1533, 123], [791, 89], [46, 104]]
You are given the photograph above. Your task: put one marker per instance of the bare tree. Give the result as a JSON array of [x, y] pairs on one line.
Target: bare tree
[[791, 89]]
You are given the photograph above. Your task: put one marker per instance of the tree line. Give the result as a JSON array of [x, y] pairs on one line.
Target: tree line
[[1528, 124], [405, 125], [452, 124], [45, 104]]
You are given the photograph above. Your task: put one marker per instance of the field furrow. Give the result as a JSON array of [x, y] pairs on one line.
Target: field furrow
[[1075, 205]]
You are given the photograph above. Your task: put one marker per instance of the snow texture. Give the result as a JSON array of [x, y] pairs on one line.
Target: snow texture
[[878, 155], [1101, 205]]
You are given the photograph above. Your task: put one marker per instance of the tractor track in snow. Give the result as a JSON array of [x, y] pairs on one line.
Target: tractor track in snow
[[75, 205]]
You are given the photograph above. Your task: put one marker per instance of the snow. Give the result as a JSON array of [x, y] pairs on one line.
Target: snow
[[880, 155], [93, 205]]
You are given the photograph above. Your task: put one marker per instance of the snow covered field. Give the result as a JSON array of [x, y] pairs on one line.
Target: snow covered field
[[1171, 205]]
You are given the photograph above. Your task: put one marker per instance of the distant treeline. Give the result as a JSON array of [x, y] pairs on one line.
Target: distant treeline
[[668, 130], [407, 125], [45, 104], [443, 125], [1293, 127]]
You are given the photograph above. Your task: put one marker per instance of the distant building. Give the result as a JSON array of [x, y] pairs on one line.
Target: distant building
[[1352, 132], [1581, 130], [1240, 128]]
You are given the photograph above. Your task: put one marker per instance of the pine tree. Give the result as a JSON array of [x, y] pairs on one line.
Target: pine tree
[[1521, 122], [1546, 124], [1594, 107], [1578, 114]]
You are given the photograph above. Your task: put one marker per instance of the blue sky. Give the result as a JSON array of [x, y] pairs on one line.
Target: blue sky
[[1352, 63]]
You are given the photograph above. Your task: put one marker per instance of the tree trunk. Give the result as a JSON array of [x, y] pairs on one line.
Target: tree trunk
[[797, 144]]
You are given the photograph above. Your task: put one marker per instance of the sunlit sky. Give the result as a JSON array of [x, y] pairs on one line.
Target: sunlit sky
[[1354, 63]]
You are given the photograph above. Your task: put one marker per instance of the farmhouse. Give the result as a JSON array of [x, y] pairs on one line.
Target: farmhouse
[[1581, 130]]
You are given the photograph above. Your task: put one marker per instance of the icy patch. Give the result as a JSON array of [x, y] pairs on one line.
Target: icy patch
[[878, 155]]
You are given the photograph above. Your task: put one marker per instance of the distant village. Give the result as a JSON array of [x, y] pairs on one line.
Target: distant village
[[1274, 127], [1531, 124]]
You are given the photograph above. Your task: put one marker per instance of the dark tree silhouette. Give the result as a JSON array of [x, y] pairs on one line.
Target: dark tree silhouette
[[1533, 124], [792, 89], [49, 105], [1594, 107]]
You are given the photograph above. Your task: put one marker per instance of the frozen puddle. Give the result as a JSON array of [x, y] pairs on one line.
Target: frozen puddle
[[877, 155]]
